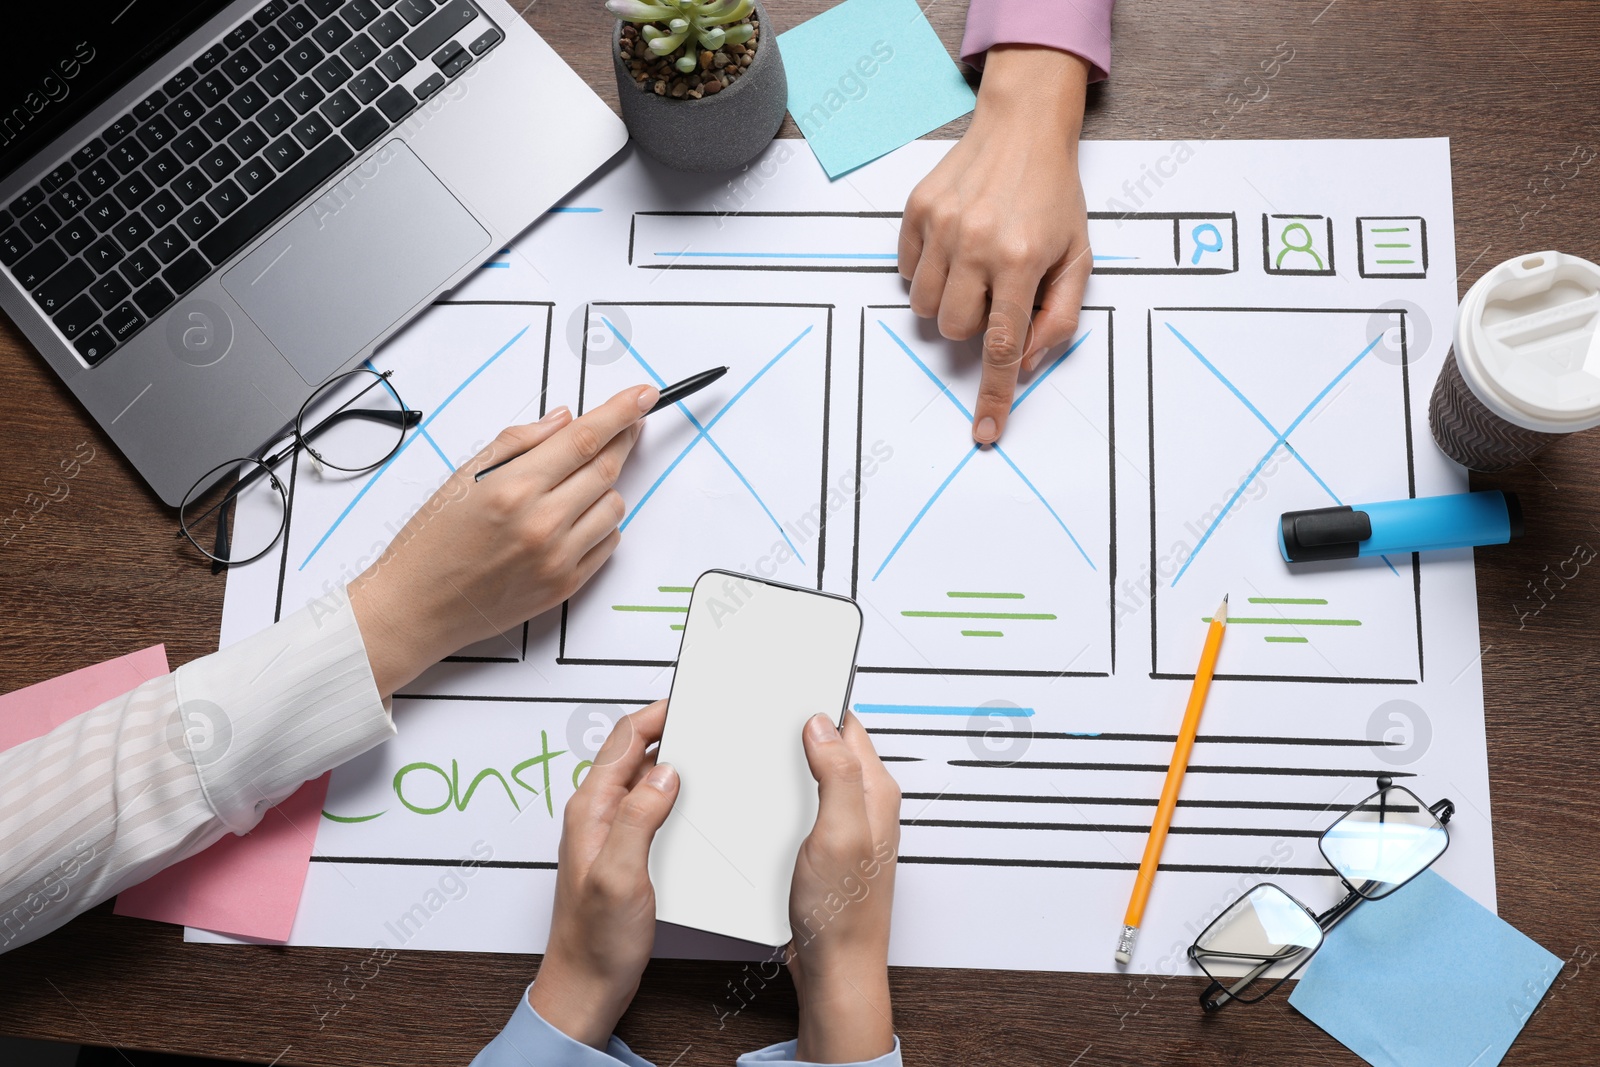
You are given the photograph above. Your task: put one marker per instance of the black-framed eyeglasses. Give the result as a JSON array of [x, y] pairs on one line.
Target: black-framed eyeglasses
[[1265, 937], [237, 510]]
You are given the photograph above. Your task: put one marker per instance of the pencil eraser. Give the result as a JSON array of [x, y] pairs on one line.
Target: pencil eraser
[[1123, 957]]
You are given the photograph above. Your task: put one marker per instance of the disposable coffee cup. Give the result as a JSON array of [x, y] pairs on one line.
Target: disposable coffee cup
[[1525, 368]]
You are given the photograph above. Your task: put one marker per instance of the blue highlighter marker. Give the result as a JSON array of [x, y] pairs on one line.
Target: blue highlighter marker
[[1422, 524]]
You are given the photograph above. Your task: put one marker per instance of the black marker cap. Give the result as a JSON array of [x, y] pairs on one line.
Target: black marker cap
[[1323, 533]]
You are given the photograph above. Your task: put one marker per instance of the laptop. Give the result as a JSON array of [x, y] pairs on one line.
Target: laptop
[[209, 208]]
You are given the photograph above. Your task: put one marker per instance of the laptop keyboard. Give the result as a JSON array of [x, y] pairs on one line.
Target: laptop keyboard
[[167, 193]]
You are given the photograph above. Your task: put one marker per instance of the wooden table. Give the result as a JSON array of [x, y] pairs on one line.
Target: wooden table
[[97, 575]]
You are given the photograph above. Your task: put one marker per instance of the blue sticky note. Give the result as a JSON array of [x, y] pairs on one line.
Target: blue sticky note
[[866, 77], [1426, 976]]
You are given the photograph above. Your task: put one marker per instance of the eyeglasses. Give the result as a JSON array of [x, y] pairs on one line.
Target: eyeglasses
[[1266, 936], [237, 510]]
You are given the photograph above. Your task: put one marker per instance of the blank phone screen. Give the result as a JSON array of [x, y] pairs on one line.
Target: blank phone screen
[[758, 659]]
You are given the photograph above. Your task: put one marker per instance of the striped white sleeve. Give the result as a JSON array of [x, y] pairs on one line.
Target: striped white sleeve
[[107, 799]]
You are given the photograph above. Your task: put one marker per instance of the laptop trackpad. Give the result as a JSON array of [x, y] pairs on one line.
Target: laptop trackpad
[[357, 259]]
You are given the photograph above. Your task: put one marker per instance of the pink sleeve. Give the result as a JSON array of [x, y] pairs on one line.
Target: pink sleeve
[[1082, 27]]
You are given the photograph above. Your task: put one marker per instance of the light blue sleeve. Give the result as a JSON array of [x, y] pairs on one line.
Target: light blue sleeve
[[529, 1040], [783, 1052]]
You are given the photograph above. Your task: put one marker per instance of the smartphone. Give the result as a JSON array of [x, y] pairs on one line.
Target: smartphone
[[758, 659]]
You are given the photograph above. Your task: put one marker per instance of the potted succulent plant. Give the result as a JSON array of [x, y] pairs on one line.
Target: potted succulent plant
[[701, 81]]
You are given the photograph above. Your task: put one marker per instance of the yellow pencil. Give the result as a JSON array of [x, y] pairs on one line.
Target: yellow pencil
[[1169, 788]]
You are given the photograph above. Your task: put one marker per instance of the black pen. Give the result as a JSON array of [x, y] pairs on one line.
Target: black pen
[[669, 396]]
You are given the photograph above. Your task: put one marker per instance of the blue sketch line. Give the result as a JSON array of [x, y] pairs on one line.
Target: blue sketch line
[[573, 211], [713, 421], [1097, 259], [1282, 439], [941, 709], [407, 444], [779, 255], [945, 389], [367, 363], [428, 437], [704, 430]]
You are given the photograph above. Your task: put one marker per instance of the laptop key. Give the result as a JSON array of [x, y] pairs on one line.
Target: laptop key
[[162, 208], [219, 122], [429, 85], [27, 201], [330, 34], [191, 185], [109, 291], [184, 111], [156, 133], [105, 213], [40, 223], [225, 199], [141, 266], [33, 268], [396, 103], [365, 128], [89, 152], [323, 8], [134, 190], [150, 106], [13, 246], [186, 272], [456, 63], [63, 285], [179, 82], [283, 153], [76, 235], [132, 231], [331, 73], [254, 176], [58, 177], [248, 100], [154, 298], [395, 63], [440, 27], [270, 13], [219, 162], [277, 198], [304, 96], [247, 140], [212, 90], [70, 200], [275, 118], [358, 13], [103, 254], [360, 51], [190, 145], [276, 78], [240, 34], [269, 44], [121, 128], [76, 318], [209, 58], [170, 243], [311, 130], [240, 67], [303, 56], [162, 167], [127, 154], [124, 321], [95, 344], [414, 11], [339, 108], [367, 86], [297, 22], [387, 30]]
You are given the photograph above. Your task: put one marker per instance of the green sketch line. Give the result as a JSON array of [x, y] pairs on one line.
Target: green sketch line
[[351, 818], [677, 626], [1286, 600], [648, 607], [1396, 261], [1286, 640], [674, 589], [982, 633], [986, 596], [1289, 622], [1392, 244], [976, 615], [1391, 229]]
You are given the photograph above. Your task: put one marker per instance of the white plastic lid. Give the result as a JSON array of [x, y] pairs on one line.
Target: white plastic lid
[[1528, 341]]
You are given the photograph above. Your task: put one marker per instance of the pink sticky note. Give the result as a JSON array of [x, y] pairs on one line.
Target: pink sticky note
[[35, 711], [243, 886]]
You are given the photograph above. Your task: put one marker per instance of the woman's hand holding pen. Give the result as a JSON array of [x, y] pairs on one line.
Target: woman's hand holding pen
[[480, 557], [1000, 223]]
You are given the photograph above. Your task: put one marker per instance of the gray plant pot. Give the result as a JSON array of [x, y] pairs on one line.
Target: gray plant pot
[[720, 132]]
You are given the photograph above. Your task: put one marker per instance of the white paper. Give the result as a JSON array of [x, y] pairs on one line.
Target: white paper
[[1030, 730]]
